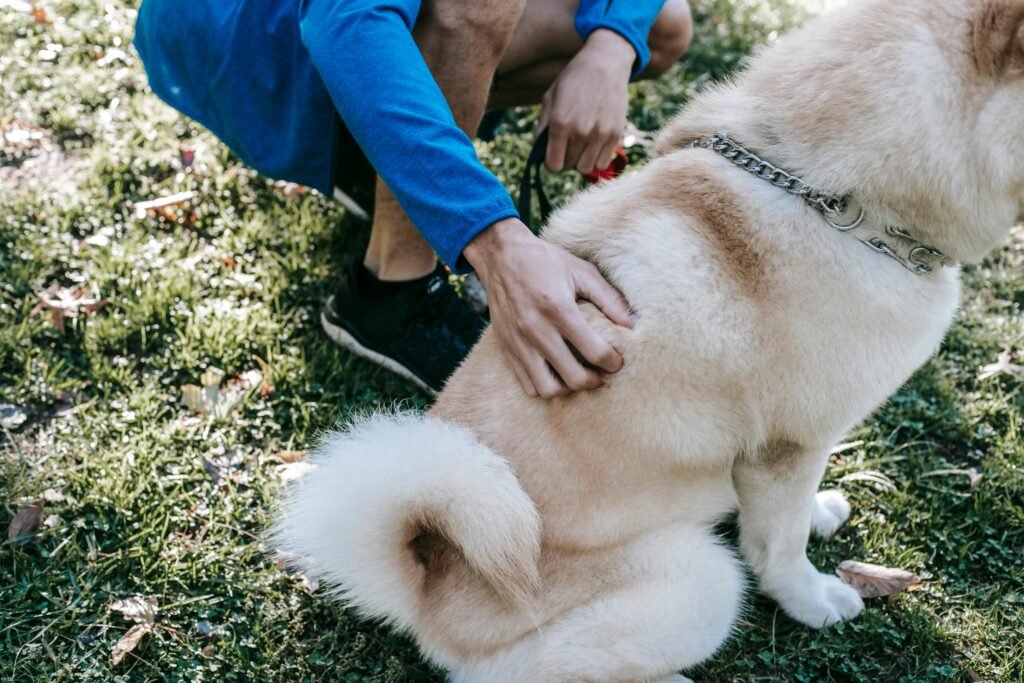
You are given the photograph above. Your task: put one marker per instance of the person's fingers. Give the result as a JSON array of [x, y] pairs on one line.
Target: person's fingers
[[590, 157], [574, 374], [574, 148], [590, 344], [542, 377], [592, 286], [558, 140]]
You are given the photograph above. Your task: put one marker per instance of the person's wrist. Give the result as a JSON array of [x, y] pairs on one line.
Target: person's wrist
[[491, 242], [610, 47]]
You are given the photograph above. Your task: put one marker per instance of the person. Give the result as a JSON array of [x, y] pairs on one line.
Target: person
[[303, 89]]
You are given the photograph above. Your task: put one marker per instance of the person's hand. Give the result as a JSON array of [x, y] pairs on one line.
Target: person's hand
[[584, 110], [533, 287]]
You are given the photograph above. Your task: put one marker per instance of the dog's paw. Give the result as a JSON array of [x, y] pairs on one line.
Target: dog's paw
[[820, 600], [675, 678], [831, 510], [816, 599]]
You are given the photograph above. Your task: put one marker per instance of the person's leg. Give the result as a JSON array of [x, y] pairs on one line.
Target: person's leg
[[496, 54], [462, 43], [546, 39]]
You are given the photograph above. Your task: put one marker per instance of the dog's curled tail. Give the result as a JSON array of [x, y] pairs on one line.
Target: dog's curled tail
[[393, 485]]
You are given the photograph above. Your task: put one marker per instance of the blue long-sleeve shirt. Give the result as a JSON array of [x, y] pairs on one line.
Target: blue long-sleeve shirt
[[267, 76]]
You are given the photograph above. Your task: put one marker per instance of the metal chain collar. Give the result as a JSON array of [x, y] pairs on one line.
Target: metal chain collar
[[920, 258]]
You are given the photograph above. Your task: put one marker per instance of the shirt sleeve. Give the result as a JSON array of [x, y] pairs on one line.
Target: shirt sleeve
[[389, 100], [631, 19]]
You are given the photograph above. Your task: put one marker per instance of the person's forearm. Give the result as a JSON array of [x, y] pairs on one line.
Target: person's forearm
[[631, 20]]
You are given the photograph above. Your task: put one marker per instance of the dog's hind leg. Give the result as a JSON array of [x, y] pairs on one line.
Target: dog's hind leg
[[675, 609], [777, 502]]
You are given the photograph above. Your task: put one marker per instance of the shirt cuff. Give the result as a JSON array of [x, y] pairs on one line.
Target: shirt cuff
[[455, 260], [585, 26]]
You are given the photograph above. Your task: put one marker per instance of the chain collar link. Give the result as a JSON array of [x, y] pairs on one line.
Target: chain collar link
[[919, 258]]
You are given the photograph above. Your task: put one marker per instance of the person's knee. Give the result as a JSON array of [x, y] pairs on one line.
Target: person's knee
[[487, 24], [670, 36]]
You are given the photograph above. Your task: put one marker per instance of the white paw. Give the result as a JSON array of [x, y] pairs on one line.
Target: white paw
[[831, 510], [675, 678], [820, 600]]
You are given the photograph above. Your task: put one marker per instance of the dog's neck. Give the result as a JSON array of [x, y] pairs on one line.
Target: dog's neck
[[842, 213], [964, 223]]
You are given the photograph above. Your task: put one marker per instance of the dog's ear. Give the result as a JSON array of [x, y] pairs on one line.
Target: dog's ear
[[997, 38]]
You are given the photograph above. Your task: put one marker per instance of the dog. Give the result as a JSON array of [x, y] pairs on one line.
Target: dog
[[791, 255]]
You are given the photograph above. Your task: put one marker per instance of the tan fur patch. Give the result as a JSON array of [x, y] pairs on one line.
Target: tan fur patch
[[779, 454], [714, 205], [431, 550], [997, 38]]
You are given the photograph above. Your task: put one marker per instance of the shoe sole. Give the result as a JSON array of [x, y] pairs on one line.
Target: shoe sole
[[342, 337]]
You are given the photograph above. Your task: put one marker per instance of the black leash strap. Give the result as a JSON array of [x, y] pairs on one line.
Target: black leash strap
[[532, 182]]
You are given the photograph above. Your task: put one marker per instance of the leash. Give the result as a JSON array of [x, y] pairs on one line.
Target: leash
[[531, 180]]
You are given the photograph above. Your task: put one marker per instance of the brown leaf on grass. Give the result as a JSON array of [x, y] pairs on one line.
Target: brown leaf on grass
[[174, 208], [25, 524], [266, 388], [288, 190], [67, 302], [876, 581], [974, 476], [40, 15], [294, 470], [214, 399], [186, 154], [291, 456], [1003, 366], [129, 641], [138, 609]]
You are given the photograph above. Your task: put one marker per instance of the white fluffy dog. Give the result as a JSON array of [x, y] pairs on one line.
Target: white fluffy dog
[[568, 540]]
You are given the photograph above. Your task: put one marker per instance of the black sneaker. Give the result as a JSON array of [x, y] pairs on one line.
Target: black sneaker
[[421, 332]]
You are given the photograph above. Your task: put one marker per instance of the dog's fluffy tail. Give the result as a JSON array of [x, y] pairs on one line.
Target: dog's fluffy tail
[[383, 485]]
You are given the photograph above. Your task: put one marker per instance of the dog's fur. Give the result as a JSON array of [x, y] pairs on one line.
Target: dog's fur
[[569, 540]]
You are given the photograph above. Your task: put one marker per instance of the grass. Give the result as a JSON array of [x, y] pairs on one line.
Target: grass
[[143, 498]]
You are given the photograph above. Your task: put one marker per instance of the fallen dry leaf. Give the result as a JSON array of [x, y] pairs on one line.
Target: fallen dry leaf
[[292, 191], [25, 524], [187, 155], [138, 609], [975, 477], [214, 399], [67, 302], [291, 456], [129, 641], [294, 470], [1003, 366], [876, 581], [40, 15], [167, 208]]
